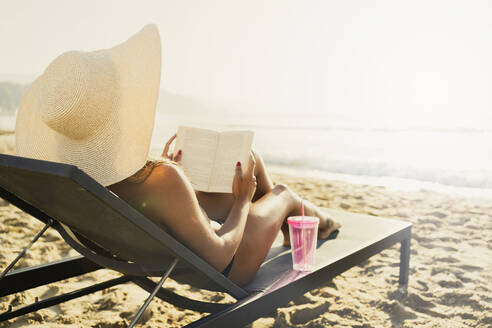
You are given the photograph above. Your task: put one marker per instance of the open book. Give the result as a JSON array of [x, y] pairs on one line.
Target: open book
[[209, 157]]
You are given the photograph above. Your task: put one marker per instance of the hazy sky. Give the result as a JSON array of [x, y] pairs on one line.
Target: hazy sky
[[417, 61]]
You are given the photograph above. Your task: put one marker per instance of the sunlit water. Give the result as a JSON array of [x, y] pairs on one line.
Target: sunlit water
[[455, 157], [324, 146]]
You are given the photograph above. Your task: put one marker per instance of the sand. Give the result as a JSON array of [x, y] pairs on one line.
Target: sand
[[450, 270]]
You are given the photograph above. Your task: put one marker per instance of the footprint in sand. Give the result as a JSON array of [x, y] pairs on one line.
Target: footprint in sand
[[449, 248], [415, 301], [402, 215], [435, 222], [457, 299], [431, 313], [422, 239], [129, 315], [52, 291], [473, 227], [348, 313], [304, 314], [107, 302], [459, 221], [437, 270], [423, 285], [418, 304], [470, 268], [450, 284], [86, 278], [373, 268], [397, 311], [447, 259], [462, 278], [14, 222], [438, 214], [428, 228], [345, 206], [467, 316], [449, 239]]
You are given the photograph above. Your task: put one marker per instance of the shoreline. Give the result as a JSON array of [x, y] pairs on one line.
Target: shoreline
[[391, 183], [7, 146]]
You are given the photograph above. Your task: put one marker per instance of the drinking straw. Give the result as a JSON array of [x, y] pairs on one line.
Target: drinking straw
[[302, 233]]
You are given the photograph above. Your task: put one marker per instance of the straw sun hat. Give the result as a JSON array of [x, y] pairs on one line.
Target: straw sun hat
[[95, 109]]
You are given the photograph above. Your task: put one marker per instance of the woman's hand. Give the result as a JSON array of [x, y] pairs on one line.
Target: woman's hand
[[171, 156], [244, 184]]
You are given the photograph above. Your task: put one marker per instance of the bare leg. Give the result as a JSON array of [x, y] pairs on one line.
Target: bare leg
[[264, 183], [264, 220]]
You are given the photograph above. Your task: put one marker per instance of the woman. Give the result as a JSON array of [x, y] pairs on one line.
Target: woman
[[254, 212], [96, 110]]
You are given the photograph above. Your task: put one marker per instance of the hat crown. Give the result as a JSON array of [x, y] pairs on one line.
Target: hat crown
[[80, 91], [94, 109]]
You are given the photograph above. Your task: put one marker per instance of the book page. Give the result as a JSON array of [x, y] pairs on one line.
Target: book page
[[232, 147], [198, 147]]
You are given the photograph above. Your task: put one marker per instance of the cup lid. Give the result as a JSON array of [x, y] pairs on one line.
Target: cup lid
[[303, 220]]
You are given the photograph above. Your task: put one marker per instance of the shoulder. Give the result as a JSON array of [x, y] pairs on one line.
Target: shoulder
[[167, 171], [172, 196], [167, 176]]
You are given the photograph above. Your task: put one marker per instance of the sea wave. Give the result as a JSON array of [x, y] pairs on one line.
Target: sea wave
[[459, 178]]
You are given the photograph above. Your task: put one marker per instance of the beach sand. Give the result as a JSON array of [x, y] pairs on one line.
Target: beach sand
[[450, 270]]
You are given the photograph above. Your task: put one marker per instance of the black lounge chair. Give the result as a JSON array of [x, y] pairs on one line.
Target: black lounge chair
[[89, 217]]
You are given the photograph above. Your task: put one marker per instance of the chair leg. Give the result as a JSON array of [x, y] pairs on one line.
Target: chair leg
[[404, 265], [24, 251], [151, 296]]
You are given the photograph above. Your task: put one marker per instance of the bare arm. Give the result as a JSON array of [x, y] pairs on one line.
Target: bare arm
[[180, 212], [243, 189]]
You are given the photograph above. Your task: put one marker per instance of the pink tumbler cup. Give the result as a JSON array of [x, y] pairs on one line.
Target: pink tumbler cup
[[303, 236]]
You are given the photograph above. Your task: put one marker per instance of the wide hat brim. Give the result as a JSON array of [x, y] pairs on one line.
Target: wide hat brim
[[121, 146]]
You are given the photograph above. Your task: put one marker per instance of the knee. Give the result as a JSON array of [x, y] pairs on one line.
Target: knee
[[284, 191], [255, 154], [257, 157], [281, 189]]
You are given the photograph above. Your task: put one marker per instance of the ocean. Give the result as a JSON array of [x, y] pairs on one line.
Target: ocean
[[459, 157], [343, 148]]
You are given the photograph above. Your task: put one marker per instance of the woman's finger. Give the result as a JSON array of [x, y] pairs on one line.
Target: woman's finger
[[165, 152], [239, 171], [178, 155]]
